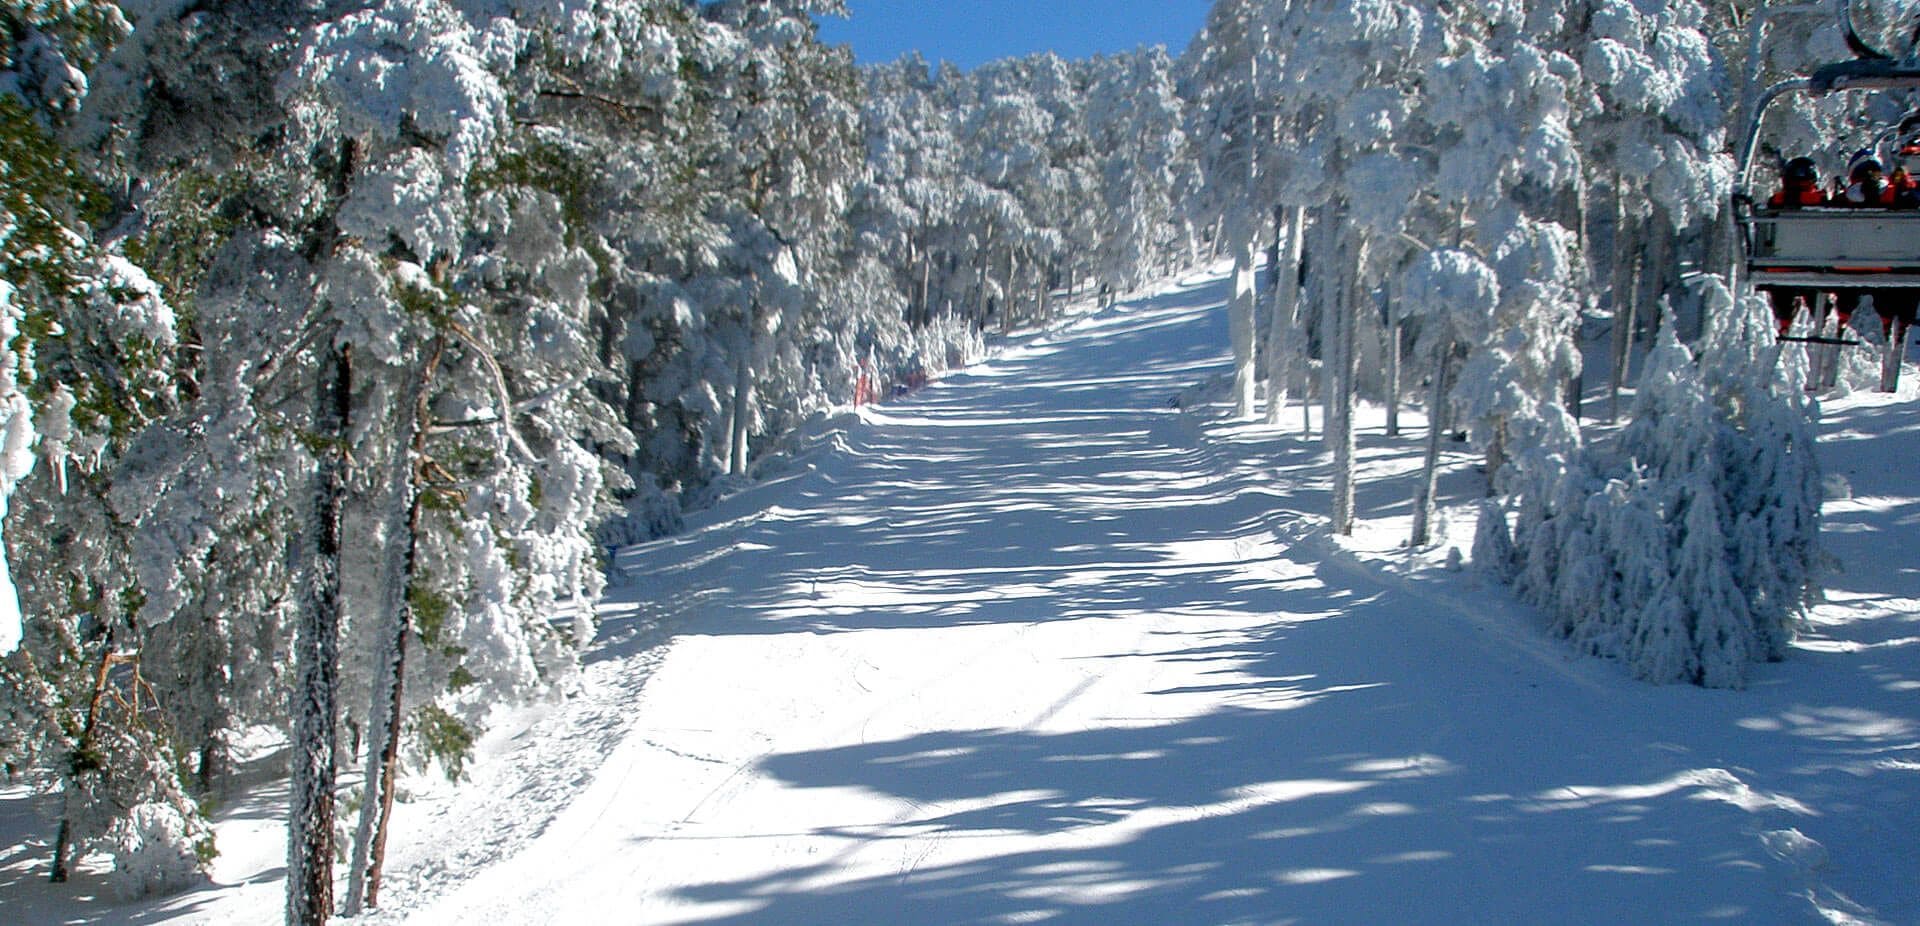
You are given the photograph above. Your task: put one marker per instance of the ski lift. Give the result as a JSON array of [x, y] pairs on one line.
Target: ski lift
[[1837, 248], [1843, 248]]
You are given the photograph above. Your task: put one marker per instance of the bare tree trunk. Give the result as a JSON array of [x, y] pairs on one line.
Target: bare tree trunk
[[926, 291], [1583, 227], [1320, 263], [389, 690], [742, 395], [63, 838], [985, 271], [1344, 357], [1393, 365], [62, 844], [1583, 236], [1046, 298], [1006, 292], [1275, 246], [1437, 415], [1327, 289], [317, 656], [1625, 300], [1240, 320], [1655, 272], [911, 316], [1496, 455], [1286, 305]]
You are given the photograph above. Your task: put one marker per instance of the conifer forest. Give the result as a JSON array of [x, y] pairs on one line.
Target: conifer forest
[[357, 354]]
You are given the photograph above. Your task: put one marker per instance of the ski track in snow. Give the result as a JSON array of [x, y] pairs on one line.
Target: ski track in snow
[[549, 759], [1055, 641]]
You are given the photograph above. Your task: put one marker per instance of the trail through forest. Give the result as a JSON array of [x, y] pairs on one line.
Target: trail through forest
[[1053, 640]]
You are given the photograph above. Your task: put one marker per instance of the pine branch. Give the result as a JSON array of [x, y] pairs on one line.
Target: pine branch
[[501, 394]]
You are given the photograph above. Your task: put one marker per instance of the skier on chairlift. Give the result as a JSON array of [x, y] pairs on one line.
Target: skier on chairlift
[[1799, 186], [1906, 190], [1869, 254], [1867, 182], [1868, 188]]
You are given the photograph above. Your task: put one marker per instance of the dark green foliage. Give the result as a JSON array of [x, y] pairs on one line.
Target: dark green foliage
[[445, 739]]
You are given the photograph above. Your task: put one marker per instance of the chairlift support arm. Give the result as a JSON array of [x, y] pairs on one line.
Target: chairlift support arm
[[1865, 74]]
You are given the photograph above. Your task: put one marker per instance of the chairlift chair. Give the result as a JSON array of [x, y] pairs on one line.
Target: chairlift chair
[[1838, 248]]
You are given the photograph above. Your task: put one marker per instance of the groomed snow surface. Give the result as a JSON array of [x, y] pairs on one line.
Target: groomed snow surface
[[1054, 641]]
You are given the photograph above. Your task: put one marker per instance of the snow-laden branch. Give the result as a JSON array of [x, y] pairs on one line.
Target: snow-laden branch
[[498, 379]]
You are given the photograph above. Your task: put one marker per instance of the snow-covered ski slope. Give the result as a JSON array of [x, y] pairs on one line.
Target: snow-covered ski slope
[[1053, 641]]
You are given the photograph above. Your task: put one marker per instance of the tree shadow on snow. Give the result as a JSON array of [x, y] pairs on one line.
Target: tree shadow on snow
[[1327, 793], [1357, 774]]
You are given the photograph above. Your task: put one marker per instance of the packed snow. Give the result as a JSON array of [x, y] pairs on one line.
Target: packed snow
[[1057, 639]]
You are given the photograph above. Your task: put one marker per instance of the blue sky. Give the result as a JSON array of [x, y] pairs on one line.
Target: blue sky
[[971, 32]]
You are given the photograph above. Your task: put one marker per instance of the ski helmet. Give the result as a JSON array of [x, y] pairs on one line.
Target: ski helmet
[[1863, 161]]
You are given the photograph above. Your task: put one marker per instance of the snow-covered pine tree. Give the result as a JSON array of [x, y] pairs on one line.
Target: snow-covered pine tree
[[979, 184], [1369, 155], [1451, 295], [1282, 118], [1234, 129], [1134, 117], [1711, 478], [88, 362], [1493, 550], [513, 221], [1498, 106], [909, 167], [45, 261], [1511, 386], [364, 222], [1771, 488], [1653, 128], [1725, 635], [1040, 153], [406, 149], [1523, 109]]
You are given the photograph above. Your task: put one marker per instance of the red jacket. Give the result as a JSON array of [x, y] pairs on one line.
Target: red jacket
[[1787, 198], [1858, 194]]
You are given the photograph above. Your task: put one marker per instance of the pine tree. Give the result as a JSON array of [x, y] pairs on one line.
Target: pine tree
[[88, 362], [1451, 296]]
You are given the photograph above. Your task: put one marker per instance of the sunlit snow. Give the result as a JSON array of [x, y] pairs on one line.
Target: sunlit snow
[[965, 665]]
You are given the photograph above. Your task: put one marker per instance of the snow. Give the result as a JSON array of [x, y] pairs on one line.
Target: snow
[[1059, 639], [17, 436], [9, 599]]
